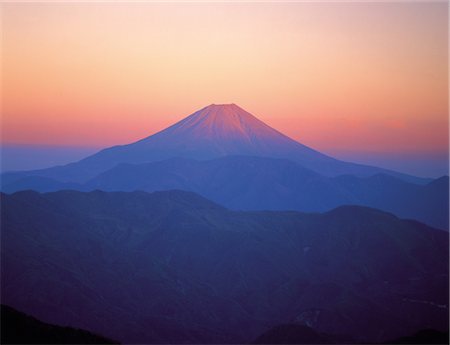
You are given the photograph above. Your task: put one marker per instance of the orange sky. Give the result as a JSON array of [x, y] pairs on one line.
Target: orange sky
[[335, 76]]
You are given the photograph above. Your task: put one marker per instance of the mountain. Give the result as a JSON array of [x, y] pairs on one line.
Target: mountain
[[293, 334], [212, 132], [298, 334], [19, 328], [425, 337], [173, 267], [255, 183]]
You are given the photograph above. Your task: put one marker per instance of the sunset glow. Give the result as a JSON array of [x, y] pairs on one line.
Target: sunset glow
[[335, 76]]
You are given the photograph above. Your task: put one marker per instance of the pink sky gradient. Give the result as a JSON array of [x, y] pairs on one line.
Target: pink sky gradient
[[336, 76]]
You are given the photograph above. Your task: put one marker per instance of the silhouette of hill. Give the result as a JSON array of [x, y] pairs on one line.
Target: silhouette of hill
[[174, 267], [292, 334], [299, 334], [19, 328], [426, 336]]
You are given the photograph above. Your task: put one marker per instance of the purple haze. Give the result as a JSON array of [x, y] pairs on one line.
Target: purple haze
[[29, 157]]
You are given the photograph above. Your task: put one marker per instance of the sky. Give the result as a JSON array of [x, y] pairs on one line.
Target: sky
[[363, 82]]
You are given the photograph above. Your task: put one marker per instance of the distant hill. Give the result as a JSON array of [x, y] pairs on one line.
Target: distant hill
[[255, 183], [19, 328], [173, 267]]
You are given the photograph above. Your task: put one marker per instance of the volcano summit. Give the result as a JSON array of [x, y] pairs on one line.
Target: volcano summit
[[214, 131]]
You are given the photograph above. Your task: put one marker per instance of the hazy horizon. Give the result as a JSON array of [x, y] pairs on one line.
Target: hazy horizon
[[29, 157]]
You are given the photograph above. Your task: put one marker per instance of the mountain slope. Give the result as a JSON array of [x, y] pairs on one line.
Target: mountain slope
[[292, 334], [19, 328], [212, 132], [172, 267], [252, 183], [298, 334], [255, 183]]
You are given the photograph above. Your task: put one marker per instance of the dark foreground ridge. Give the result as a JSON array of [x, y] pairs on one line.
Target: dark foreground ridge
[[19, 328], [293, 334], [426, 336], [298, 334]]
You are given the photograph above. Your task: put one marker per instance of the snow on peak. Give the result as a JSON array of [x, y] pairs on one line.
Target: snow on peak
[[226, 121], [218, 130]]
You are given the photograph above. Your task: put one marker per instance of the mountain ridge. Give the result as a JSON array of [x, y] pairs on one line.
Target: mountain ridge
[[169, 267], [256, 183], [19, 328]]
